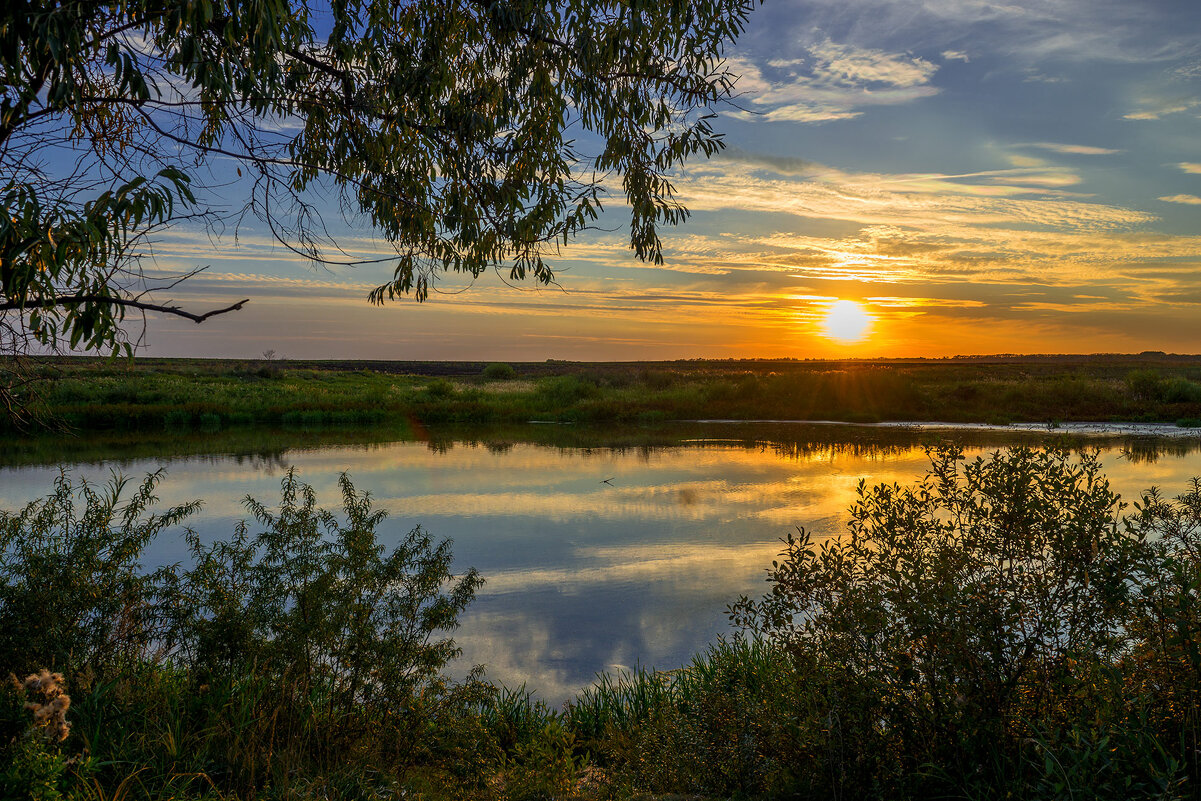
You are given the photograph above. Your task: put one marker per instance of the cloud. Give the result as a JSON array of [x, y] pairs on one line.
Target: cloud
[[832, 81], [1190, 167], [1188, 200], [780, 165], [1040, 39], [1078, 150], [859, 66], [970, 230], [996, 197], [1158, 109], [804, 113], [955, 55], [827, 230]]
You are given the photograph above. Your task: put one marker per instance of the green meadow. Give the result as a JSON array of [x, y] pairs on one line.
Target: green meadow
[[213, 395]]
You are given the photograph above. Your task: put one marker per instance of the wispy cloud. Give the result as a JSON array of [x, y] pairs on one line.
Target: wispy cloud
[[1025, 31], [1075, 150], [934, 200], [863, 66], [832, 81], [1155, 109], [1188, 200]]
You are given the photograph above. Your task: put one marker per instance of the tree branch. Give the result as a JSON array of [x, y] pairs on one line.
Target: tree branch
[[68, 300]]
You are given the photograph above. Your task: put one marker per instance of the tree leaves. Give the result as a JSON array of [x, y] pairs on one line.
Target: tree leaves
[[442, 122], [56, 251]]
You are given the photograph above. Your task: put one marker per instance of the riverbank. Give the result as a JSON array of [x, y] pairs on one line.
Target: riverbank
[[92, 395]]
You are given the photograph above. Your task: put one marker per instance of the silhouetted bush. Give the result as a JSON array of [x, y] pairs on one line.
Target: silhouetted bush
[[297, 650], [1181, 390], [500, 372], [973, 634], [73, 595]]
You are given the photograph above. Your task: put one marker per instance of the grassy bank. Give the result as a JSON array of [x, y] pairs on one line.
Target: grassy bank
[[1002, 629], [214, 395]]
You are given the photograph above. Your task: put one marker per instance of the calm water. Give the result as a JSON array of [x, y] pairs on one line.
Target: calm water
[[582, 576]]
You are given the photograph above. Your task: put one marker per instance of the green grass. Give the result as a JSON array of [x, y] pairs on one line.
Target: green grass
[[211, 396]]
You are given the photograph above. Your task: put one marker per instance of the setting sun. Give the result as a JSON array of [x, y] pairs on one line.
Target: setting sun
[[846, 321]]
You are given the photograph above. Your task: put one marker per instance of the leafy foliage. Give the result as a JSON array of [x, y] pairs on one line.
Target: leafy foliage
[[1164, 661], [72, 590], [499, 371], [469, 134], [975, 630], [1003, 628], [319, 602], [301, 648]]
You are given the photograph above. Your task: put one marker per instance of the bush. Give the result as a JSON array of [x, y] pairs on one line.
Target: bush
[[1163, 663], [962, 619], [303, 656], [73, 595], [1181, 390], [318, 601], [439, 389], [500, 372], [1146, 385], [560, 393]]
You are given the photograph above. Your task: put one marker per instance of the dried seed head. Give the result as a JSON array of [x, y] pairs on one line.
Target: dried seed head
[[49, 702]]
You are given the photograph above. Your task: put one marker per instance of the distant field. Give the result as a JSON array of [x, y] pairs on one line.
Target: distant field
[[212, 395]]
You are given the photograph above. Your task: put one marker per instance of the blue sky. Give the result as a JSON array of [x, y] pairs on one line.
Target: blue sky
[[980, 177]]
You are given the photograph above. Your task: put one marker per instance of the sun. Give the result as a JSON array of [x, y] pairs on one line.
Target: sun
[[847, 321]]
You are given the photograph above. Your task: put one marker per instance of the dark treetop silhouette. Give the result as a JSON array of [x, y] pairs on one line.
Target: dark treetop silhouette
[[470, 134]]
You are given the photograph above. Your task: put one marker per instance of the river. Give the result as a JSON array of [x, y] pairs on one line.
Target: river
[[597, 557]]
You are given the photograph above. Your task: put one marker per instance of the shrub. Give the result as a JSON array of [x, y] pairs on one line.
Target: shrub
[[949, 618], [500, 372], [439, 389], [1181, 390], [1145, 385], [318, 601], [559, 393], [1163, 665], [299, 653], [73, 596]]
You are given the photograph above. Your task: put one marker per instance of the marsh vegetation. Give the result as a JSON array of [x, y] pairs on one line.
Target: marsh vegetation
[[179, 396]]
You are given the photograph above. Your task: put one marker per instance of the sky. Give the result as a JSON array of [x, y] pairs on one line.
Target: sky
[[902, 178]]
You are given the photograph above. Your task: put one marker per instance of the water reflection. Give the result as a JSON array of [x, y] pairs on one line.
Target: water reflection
[[598, 553], [1148, 451]]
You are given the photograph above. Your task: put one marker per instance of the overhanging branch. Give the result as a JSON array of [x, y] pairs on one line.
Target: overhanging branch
[[69, 300]]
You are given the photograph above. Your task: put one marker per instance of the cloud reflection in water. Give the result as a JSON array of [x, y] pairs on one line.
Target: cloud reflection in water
[[582, 576]]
